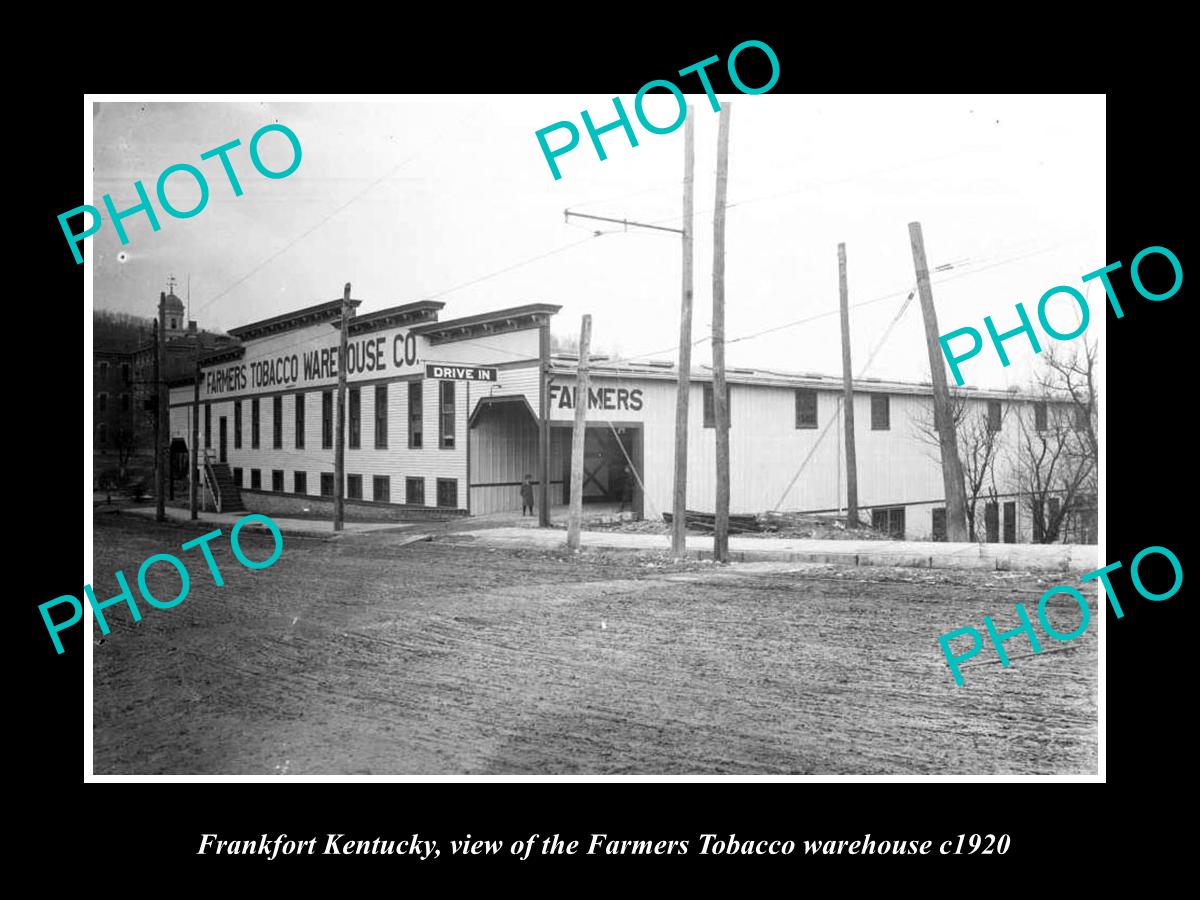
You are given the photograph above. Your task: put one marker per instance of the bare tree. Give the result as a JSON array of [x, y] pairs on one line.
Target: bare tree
[[1058, 457], [125, 440], [978, 447]]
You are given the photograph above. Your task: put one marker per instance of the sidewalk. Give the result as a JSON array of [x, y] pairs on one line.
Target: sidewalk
[[317, 527], [926, 554]]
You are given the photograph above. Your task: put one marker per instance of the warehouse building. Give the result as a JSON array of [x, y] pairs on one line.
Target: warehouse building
[[448, 415], [417, 387]]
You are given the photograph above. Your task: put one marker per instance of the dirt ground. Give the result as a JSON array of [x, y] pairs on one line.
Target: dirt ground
[[357, 655]]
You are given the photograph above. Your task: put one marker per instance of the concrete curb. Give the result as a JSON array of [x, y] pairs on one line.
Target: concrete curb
[[917, 554]]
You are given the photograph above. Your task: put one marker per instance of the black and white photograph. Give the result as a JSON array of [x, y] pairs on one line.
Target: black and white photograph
[[675, 433]]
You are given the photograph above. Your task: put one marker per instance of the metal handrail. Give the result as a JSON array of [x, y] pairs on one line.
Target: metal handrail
[[210, 478]]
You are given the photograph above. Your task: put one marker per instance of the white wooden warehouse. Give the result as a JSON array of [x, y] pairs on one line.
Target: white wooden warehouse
[[464, 442]]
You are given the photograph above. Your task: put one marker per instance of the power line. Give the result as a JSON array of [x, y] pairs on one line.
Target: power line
[[355, 197], [518, 265], [819, 184], [832, 419], [833, 312]]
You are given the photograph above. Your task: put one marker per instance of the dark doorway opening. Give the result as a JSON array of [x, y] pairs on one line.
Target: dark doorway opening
[[1010, 522], [890, 520], [939, 523], [612, 464]]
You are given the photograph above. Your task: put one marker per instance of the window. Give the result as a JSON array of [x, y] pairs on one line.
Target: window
[[103, 433], [890, 520], [447, 492], [207, 424], [326, 420], [237, 424], [104, 371], [124, 403], [255, 480], [1010, 522], [1053, 516], [326, 484], [710, 415], [991, 519], [125, 373], [382, 486], [806, 408], [381, 393], [277, 423], [355, 418], [414, 491], [103, 402], [881, 414], [237, 477], [1083, 418], [277, 480], [300, 421], [1039, 523], [995, 414], [300, 480], [939, 523], [354, 487], [446, 414], [1039, 415], [415, 423], [254, 424]]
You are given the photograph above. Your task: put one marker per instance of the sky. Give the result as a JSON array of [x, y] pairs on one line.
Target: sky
[[451, 199]]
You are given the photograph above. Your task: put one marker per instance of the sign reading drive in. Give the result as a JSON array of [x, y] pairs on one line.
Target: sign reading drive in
[[460, 373]]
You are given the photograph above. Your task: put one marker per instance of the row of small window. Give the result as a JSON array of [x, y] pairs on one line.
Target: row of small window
[[103, 375], [416, 426], [806, 409], [991, 521], [102, 402], [381, 486], [881, 414]]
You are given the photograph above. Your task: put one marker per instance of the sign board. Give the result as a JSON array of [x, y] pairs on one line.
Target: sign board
[[460, 373]]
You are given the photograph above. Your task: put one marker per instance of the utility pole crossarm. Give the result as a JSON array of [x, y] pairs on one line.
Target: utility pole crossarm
[[567, 215]]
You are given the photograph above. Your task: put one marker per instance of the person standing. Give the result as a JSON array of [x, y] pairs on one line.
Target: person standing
[[527, 496]]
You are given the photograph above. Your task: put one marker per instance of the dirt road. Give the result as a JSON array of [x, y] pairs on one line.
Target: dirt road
[[359, 656]]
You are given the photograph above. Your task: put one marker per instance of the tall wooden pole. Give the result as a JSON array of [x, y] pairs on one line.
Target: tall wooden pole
[[160, 420], [848, 398], [544, 428], [575, 515], [952, 474], [679, 507], [194, 487], [720, 406], [339, 447]]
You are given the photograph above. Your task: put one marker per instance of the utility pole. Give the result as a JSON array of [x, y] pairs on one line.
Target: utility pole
[[678, 522], [952, 474], [848, 401], [339, 447], [160, 420], [544, 427], [720, 406], [193, 487], [575, 515]]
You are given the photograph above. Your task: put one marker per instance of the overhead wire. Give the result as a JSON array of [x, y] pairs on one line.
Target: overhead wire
[[425, 148], [838, 406]]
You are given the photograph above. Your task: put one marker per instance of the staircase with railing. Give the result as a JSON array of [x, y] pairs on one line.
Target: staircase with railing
[[218, 481]]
